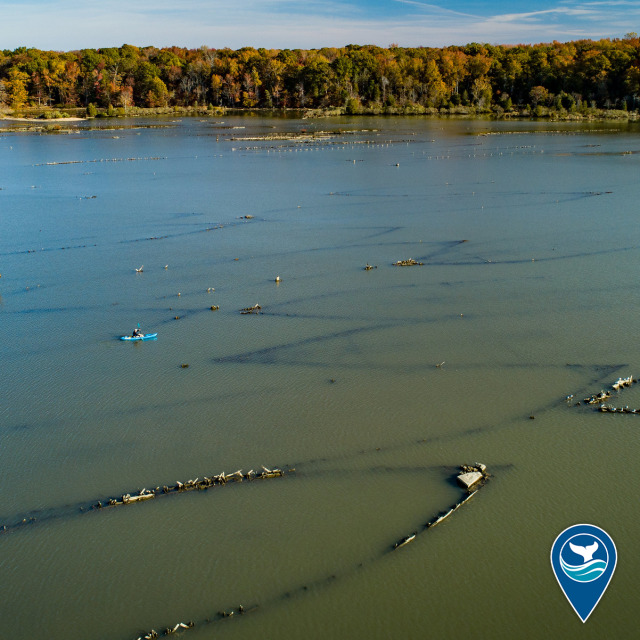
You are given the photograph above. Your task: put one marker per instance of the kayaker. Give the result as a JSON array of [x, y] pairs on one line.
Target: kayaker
[[137, 333]]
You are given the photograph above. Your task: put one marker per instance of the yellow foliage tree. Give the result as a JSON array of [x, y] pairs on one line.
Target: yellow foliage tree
[[17, 87]]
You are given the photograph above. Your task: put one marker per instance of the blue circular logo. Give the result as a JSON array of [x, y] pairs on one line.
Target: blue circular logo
[[584, 557]]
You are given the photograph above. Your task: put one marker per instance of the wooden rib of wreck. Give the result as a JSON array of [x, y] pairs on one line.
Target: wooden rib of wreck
[[472, 478], [220, 479], [407, 263], [621, 383], [129, 499], [599, 398], [255, 309], [404, 541], [190, 485], [442, 516], [153, 634], [181, 625], [606, 408], [472, 485]]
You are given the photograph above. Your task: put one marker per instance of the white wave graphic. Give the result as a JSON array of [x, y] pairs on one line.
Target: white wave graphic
[[586, 572]]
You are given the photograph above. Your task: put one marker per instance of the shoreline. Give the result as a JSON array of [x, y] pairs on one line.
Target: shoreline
[[471, 113], [42, 120]]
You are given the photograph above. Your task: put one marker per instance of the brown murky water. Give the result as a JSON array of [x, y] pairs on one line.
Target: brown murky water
[[372, 384]]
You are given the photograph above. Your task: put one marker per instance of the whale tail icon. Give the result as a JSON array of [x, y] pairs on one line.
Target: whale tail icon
[[585, 552]]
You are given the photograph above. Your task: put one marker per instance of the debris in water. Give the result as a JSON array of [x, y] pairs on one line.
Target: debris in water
[[470, 476], [472, 479], [255, 309], [599, 398], [407, 263], [405, 540]]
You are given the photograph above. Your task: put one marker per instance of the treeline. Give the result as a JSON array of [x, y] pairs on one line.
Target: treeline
[[573, 75]]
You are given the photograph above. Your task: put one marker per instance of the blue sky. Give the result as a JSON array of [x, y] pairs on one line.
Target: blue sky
[[307, 24]]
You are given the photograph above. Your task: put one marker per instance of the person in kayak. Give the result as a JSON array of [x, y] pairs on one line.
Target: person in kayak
[[137, 333]]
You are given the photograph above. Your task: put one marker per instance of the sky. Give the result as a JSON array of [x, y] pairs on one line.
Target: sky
[[64, 25]]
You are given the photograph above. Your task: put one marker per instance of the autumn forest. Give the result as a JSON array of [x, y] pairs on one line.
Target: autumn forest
[[573, 76]]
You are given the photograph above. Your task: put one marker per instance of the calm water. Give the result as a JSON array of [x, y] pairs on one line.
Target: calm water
[[529, 237]]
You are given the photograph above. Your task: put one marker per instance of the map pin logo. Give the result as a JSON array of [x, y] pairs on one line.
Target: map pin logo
[[583, 558]]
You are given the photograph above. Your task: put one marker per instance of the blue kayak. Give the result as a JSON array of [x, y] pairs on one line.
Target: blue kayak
[[146, 336]]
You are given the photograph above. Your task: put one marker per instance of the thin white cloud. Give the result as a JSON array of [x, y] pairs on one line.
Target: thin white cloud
[[436, 9], [611, 3], [513, 17]]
